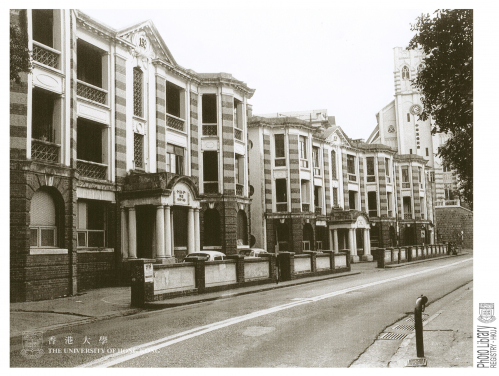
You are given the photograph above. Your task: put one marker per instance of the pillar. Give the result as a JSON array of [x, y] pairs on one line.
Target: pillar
[[124, 234], [160, 231], [331, 244], [190, 231], [168, 232], [367, 246], [352, 245], [172, 232], [335, 241], [132, 233], [197, 233]]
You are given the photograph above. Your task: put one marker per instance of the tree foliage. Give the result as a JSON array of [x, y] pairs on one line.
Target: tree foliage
[[20, 57], [446, 86]]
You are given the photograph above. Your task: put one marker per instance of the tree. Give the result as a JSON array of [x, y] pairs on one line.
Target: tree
[[446, 86], [20, 56]]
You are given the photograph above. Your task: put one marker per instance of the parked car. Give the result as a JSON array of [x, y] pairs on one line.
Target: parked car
[[251, 252], [208, 255]]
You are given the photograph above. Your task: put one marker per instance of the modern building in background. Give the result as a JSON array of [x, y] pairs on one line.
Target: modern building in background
[[117, 152], [398, 126]]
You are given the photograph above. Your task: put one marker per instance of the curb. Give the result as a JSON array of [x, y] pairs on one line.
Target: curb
[[421, 261]]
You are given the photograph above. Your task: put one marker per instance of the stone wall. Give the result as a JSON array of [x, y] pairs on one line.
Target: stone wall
[[451, 221]]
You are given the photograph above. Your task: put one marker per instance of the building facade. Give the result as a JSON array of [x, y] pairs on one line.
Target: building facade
[[118, 152], [323, 190]]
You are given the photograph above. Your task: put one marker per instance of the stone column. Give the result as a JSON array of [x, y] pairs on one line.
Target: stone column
[[160, 231], [352, 245], [197, 233], [335, 240], [132, 233], [124, 234], [331, 244], [190, 231], [367, 246], [168, 232], [172, 232]]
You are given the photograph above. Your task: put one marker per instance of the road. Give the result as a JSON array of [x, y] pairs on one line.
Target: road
[[321, 324]]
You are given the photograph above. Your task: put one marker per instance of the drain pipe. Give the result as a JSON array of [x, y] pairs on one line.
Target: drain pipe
[[418, 324]]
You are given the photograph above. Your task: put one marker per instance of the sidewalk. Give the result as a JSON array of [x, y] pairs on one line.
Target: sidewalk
[[447, 336], [112, 302]]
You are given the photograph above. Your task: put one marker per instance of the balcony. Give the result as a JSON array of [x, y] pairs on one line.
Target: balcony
[[91, 170], [373, 213], [281, 207], [175, 123], [44, 151], [352, 177], [407, 215], [91, 92], [305, 207], [238, 134], [318, 210], [46, 55], [210, 129], [406, 185], [210, 187], [239, 189]]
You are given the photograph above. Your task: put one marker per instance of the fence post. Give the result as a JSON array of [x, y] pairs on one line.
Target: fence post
[[142, 281], [418, 324], [313, 260], [239, 266], [273, 272], [286, 265]]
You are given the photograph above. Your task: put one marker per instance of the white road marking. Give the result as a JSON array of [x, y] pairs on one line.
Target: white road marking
[[134, 352]]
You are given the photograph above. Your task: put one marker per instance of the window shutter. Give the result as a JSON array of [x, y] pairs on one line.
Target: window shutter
[[42, 210]]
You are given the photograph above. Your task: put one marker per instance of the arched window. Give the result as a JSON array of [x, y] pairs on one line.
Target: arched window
[[43, 220], [333, 164], [211, 228], [405, 72], [138, 92], [242, 228]]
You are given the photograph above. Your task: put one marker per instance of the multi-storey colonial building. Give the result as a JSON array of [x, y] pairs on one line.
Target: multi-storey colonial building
[[118, 152], [323, 190], [398, 126]]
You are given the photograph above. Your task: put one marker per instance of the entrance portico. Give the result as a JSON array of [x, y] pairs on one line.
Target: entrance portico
[[346, 232]]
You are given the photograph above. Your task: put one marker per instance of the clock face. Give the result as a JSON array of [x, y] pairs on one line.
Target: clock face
[[391, 129], [416, 109]]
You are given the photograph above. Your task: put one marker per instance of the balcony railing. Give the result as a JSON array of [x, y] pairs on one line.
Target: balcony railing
[[175, 123], [210, 129], [280, 162], [44, 151], [448, 203], [317, 171], [91, 170], [421, 186], [407, 215], [318, 210], [352, 177], [303, 163], [371, 178], [210, 187], [373, 213], [239, 189], [406, 185], [91, 92], [281, 207], [305, 207], [238, 134], [46, 55]]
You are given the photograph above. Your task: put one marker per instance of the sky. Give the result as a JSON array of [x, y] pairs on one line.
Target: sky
[[296, 58]]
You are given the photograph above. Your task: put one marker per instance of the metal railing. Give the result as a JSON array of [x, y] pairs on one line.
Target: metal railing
[[175, 122], [91, 92], [238, 134], [406, 185], [280, 162], [44, 151], [281, 207], [210, 129], [373, 213], [305, 207], [371, 178], [352, 177], [448, 203], [318, 210], [317, 171], [210, 187], [388, 179], [239, 189], [407, 215], [91, 170], [46, 55]]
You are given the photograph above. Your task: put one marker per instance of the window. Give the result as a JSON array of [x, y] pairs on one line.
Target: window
[[318, 199], [239, 170], [137, 92], [89, 67], [209, 108], [372, 204], [387, 170], [333, 164], [423, 212], [405, 72], [173, 99], [42, 119], [315, 159], [305, 195], [138, 150], [389, 204], [405, 177], [280, 151], [408, 117], [371, 178], [427, 152], [352, 200], [91, 221], [175, 159], [237, 114], [420, 177], [210, 169], [351, 168], [211, 223], [303, 152], [43, 25], [410, 151], [335, 197], [43, 220], [281, 195], [242, 228], [407, 208], [89, 141]]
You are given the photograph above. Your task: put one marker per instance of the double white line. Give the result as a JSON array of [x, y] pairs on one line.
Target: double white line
[[134, 352]]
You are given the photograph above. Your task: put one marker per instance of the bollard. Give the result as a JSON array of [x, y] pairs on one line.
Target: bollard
[[418, 324]]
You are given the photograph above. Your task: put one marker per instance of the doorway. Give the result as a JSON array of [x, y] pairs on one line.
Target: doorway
[[145, 215]]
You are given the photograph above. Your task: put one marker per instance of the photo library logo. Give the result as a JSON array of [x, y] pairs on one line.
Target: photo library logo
[[486, 312], [32, 345]]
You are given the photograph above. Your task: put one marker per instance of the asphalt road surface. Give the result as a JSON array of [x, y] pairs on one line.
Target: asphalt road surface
[[322, 324]]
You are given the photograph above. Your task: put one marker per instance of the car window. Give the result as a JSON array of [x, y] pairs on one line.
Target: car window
[[246, 252], [219, 258]]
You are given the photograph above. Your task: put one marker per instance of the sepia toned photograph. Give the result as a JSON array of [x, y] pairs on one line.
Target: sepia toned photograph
[[260, 187]]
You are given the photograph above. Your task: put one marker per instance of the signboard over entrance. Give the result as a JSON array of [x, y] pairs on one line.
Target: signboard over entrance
[[181, 195]]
